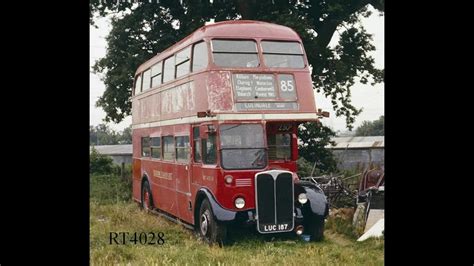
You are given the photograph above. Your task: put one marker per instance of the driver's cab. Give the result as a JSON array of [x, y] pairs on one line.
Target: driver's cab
[[246, 146]]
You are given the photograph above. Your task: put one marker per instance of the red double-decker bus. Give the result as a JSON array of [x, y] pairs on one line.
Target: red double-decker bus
[[215, 120]]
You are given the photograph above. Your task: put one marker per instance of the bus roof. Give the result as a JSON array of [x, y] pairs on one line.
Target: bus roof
[[227, 29]]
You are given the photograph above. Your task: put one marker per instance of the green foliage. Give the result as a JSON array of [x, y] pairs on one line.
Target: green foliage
[[315, 137], [342, 226], [100, 164], [126, 136], [102, 134], [111, 188], [305, 168], [141, 30], [374, 128]]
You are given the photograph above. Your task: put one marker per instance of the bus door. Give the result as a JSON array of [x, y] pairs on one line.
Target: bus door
[[183, 177], [196, 157], [204, 159]]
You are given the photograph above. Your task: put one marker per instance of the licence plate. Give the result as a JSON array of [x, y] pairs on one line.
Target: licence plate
[[271, 228]]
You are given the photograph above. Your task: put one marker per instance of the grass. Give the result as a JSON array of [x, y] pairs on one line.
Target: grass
[[112, 211]]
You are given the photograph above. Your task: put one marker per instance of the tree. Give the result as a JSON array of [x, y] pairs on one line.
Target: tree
[[126, 136], [315, 137], [374, 128], [100, 164], [102, 135], [141, 30]]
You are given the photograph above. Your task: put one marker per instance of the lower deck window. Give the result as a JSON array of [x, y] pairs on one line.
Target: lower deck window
[[145, 147], [182, 149], [168, 148], [156, 147]]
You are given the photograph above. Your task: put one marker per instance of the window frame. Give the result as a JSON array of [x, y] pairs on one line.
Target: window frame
[[155, 147], [197, 140], [142, 151], [204, 140], [149, 80], [257, 52], [182, 148], [139, 76], [173, 66], [160, 74], [163, 145], [177, 65], [290, 146], [193, 53], [274, 53]]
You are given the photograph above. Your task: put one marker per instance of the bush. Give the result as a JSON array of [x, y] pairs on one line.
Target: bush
[[108, 189], [100, 164], [340, 221], [314, 139], [304, 168]]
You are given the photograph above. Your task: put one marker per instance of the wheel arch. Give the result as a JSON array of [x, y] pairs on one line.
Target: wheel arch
[[220, 214]]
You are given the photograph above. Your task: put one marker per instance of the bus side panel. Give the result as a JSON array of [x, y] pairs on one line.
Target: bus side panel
[[205, 176], [183, 194], [219, 89], [136, 180], [166, 188]]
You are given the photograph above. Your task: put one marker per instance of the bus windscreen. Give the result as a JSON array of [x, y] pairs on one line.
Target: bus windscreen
[[242, 146], [235, 53], [282, 54]]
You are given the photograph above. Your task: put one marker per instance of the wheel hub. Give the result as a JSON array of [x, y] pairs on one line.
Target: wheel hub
[[204, 223], [146, 198]]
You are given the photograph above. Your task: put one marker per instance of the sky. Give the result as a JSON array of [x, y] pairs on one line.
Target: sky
[[370, 98]]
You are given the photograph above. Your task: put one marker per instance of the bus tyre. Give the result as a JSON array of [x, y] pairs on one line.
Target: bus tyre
[[147, 200], [208, 228], [316, 229]]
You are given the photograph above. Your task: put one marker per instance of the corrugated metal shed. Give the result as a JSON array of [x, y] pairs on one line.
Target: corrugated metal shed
[[373, 142], [125, 149], [119, 153]]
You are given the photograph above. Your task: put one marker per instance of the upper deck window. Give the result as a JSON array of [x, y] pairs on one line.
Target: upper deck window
[[156, 74], [146, 80], [168, 71], [138, 84], [183, 62], [235, 53], [199, 56], [283, 54]]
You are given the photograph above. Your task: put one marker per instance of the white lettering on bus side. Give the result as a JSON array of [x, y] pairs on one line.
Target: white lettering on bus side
[[162, 175]]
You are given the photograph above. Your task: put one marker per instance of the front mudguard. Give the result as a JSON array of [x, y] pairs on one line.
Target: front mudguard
[[221, 214], [317, 204]]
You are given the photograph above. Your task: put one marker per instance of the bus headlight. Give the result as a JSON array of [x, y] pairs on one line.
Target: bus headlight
[[302, 198], [228, 179], [239, 203]]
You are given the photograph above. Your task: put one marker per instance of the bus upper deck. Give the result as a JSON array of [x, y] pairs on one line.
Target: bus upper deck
[[237, 70]]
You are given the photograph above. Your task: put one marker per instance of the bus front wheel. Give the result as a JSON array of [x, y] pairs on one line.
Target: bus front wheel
[[316, 229], [208, 228]]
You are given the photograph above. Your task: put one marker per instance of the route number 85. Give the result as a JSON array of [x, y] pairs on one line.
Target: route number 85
[[286, 85]]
